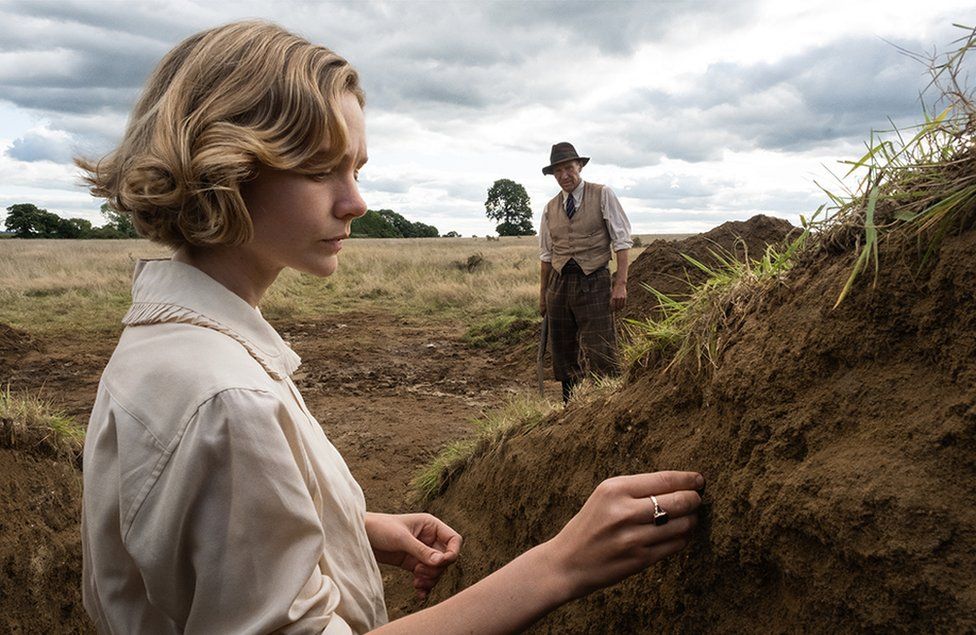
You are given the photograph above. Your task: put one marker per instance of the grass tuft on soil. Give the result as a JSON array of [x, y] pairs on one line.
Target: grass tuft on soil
[[32, 424], [697, 327], [523, 412], [507, 330]]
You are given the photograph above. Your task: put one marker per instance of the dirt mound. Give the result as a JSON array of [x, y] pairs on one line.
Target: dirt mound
[[40, 545], [840, 452], [662, 266]]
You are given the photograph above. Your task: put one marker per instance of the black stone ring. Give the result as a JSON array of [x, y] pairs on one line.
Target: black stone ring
[[660, 516]]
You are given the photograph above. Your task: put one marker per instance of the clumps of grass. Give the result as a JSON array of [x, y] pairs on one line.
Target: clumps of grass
[[594, 387], [697, 328], [520, 414], [507, 330], [32, 424], [474, 262]]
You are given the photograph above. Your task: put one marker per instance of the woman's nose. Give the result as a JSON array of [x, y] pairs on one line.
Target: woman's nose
[[352, 204]]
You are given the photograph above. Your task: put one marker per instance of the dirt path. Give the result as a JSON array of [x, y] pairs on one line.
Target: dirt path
[[389, 392]]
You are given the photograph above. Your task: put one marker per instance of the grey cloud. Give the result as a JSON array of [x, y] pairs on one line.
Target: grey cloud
[[36, 146], [70, 100], [616, 27], [129, 18], [691, 192], [663, 189], [810, 100]]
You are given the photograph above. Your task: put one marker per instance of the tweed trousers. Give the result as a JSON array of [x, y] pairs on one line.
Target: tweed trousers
[[581, 331]]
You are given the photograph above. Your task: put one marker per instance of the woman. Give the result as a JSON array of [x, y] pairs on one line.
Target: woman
[[213, 501]]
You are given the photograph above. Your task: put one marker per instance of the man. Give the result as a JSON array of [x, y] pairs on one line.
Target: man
[[580, 226]]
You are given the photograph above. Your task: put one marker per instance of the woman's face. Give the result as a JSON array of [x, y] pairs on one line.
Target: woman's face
[[301, 220]]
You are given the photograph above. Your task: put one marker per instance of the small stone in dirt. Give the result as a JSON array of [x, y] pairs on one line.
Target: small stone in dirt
[[431, 346]]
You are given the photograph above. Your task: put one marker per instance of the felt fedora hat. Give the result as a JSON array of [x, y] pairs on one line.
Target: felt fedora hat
[[562, 152]]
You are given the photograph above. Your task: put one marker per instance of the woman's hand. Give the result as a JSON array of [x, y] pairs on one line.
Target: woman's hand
[[614, 534], [420, 543]]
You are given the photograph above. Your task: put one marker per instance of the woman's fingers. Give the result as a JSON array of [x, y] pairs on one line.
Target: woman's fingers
[[650, 534], [675, 504], [662, 550], [452, 547], [657, 483]]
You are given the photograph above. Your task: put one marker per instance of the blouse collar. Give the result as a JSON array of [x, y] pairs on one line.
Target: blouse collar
[[165, 291]]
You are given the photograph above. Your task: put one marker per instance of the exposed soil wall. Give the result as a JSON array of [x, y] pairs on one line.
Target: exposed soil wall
[[840, 452], [40, 545]]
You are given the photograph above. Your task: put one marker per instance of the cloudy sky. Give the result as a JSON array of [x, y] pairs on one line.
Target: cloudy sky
[[695, 112]]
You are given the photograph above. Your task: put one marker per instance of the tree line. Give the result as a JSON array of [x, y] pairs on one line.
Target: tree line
[[385, 223], [26, 220], [507, 203]]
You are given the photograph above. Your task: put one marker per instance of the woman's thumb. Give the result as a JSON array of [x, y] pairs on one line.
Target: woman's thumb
[[426, 554]]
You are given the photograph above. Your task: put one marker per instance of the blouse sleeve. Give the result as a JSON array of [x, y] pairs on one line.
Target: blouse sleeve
[[230, 538]]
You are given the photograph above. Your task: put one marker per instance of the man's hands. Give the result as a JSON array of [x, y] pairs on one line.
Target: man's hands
[[614, 535], [419, 543], [618, 296]]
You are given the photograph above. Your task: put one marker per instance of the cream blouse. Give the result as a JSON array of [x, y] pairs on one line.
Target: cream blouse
[[213, 501]]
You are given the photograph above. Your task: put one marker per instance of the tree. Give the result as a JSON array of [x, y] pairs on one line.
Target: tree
[[27, 220], [372, 224], [74, 228], [508, 203], [386, 223], [119, 221], [408, 229]]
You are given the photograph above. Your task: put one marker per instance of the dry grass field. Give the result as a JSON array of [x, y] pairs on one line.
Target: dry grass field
[[83, 285]]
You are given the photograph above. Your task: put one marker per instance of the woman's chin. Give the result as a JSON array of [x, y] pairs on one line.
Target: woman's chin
[[322, 267]]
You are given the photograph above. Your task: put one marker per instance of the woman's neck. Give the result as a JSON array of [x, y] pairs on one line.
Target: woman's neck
[[231, 267]]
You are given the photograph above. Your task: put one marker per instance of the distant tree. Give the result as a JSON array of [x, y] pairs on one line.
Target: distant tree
[[508, 204], [452, 234], [119, 221], [523, 228], [421, 230], [74, 228], [106, 232], [372, 224], [27, 220], [409, 229], [385, 223]]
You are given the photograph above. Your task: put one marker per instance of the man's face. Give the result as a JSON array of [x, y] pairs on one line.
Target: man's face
[[567, 174]]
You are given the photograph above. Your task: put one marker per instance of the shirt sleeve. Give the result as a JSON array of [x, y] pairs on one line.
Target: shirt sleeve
[[229, 539], [617, 222], [545, 240]]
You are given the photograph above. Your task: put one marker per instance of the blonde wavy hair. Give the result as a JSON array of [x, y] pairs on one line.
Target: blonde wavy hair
[[220, 105]]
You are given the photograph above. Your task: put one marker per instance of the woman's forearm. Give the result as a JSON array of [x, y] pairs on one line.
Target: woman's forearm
[[509, 600]]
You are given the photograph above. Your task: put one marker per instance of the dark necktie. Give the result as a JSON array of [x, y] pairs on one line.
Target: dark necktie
[[570, 206]]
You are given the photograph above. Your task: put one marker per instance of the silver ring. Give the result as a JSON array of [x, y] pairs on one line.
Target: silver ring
[[660, 516]]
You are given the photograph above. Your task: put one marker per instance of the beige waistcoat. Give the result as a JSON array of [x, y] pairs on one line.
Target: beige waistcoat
[[585, 237]]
